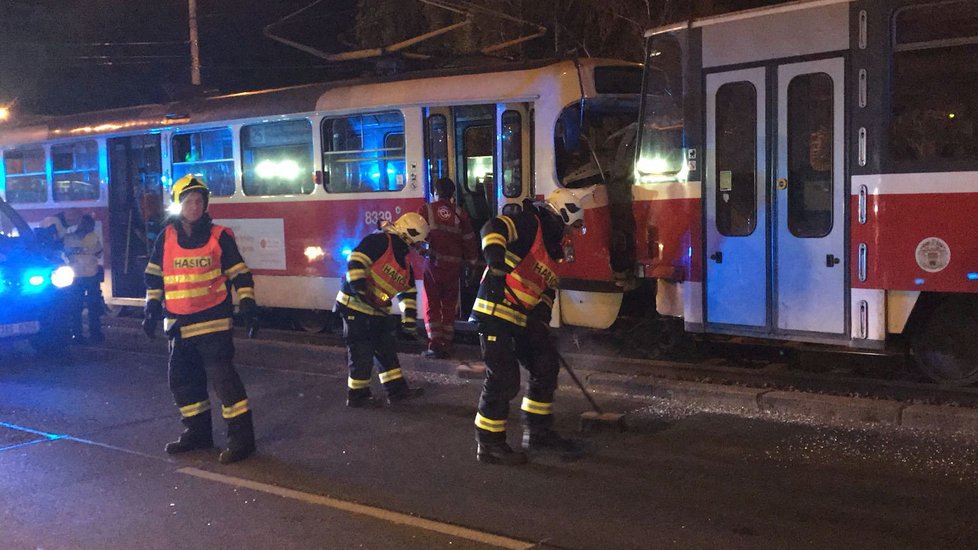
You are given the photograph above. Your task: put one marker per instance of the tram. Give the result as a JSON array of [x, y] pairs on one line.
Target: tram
[[809, 172], [301, 174]]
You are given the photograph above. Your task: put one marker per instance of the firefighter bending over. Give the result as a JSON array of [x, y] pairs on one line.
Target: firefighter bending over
[[193, 265], [513, 311], [377, 270]]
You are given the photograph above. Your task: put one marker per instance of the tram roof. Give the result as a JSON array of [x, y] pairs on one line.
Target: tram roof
[[743, 14], [203, 109]]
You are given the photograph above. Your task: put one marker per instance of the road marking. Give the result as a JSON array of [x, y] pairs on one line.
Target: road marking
[[361, 509]]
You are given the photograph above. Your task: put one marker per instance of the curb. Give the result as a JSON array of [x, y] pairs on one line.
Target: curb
[[827, 409], [720, 398]]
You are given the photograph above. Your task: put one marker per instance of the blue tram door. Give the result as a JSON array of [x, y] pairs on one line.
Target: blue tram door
[[775, 200], [136, 211]]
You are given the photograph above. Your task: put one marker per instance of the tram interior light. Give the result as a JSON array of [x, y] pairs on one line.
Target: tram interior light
[[278, 169]]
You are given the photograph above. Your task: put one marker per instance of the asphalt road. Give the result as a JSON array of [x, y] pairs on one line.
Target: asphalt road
[[81, 466]]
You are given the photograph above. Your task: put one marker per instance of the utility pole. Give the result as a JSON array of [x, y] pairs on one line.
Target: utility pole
[[194, 45]]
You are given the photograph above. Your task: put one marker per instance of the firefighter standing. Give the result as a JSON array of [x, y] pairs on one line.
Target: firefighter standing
[[84, 248], [513, 310], [450, 242], [193, 265], [378, 269]]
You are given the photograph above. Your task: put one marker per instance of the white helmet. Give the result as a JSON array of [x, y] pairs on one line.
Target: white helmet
[[567, 205], [411, 227]]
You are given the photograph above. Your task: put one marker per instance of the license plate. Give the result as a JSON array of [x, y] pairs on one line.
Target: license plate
[[19, 329]]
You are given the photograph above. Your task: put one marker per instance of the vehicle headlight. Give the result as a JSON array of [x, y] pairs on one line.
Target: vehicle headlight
[[63, 277]]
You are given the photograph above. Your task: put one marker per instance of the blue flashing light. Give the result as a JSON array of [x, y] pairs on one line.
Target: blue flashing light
[[375, 176], [689, 252], [346, 252], [918, 281], [973, 276], [35, 280]]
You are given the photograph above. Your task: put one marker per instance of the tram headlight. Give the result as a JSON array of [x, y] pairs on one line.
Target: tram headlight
[[314, 253]]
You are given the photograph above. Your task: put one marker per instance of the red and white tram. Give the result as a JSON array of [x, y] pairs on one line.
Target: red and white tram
[[809, 172], [302, 173]]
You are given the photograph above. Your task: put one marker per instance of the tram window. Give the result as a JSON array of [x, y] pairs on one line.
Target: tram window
[[208, 154], [437, 148], [276, 158], [736, 159], [26, 179], [934, 114], [364, 153], [810, 158], [592, 148], [75, 171], [512, 154], [618, 80]]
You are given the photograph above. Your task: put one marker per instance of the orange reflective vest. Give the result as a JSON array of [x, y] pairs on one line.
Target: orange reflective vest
[[532, 276], [387, 279], [192, 277]]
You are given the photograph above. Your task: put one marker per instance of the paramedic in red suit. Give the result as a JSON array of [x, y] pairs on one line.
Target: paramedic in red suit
[[451, 244]]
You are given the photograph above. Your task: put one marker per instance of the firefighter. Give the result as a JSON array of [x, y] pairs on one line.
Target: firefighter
[[513, 311], [84, 249], [450, 243], [192, 268], [377, 270]]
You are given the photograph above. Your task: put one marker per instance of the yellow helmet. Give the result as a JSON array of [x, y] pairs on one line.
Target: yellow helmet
[[187, 183]]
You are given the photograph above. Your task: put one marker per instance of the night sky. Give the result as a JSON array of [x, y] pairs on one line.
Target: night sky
[[65, 56]]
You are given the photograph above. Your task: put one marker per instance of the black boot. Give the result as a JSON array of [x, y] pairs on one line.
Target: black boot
[[499, 453], [404, 394], [241, 439], [363, 401], [547, 440], [198, 435]]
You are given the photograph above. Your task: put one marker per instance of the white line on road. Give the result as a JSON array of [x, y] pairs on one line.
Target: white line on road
[[370, 511]]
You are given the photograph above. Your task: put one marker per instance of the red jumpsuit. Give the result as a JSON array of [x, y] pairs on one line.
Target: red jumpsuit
[[450, 242]]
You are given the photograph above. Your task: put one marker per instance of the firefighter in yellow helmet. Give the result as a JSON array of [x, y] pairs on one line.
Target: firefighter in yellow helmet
[[191, 271], [377, 270], [513, 311]]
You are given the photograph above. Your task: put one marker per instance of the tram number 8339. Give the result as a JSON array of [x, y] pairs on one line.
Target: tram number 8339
[[373, 217]]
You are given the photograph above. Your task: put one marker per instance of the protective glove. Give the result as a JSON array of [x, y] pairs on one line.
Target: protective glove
[[409, 331], [497, 269], [151, 318], [249, 311], [541, 313]]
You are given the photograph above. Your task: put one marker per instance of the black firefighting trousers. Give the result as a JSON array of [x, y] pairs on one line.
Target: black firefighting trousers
[[192, 360], [505, 348], [369, 337]]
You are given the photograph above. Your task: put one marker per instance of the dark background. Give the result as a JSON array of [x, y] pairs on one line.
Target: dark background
[[68, 56]]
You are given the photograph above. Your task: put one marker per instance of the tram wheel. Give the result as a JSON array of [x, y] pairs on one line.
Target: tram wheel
[[313, 321], [945, 347]]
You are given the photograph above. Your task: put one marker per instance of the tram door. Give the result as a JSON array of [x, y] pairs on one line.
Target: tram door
[[136, 210], [460, 143], [776, 222]]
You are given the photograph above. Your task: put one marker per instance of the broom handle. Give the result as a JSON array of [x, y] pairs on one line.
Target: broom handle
[[577, 381]]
